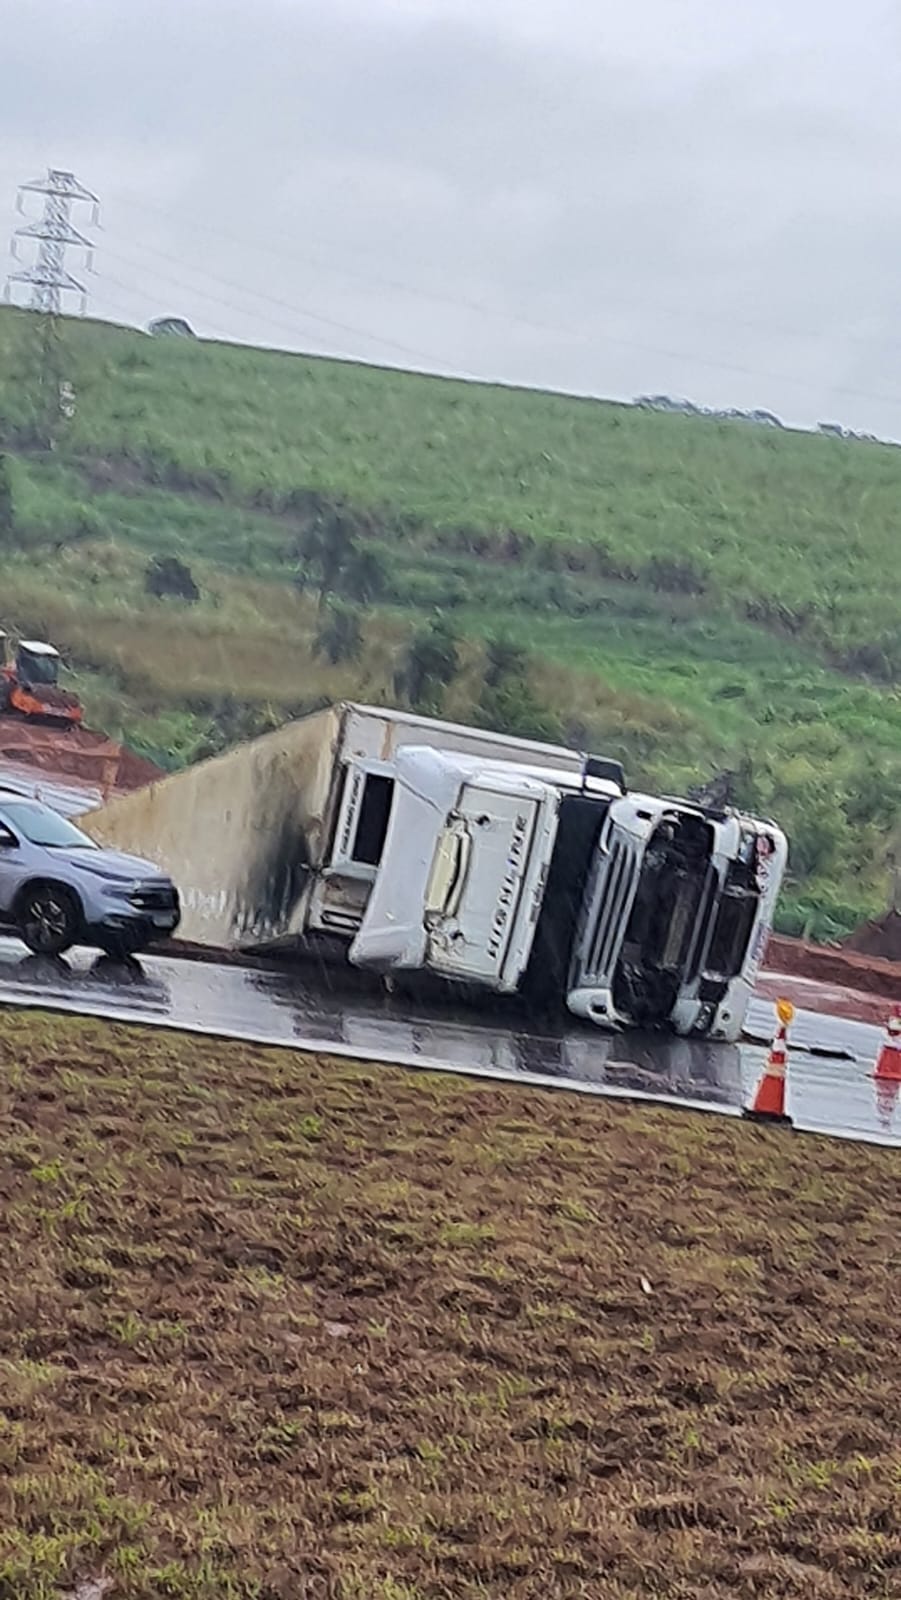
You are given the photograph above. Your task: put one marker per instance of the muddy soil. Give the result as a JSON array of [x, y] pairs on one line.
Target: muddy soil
[[274, 1326], [63, 753], [828, 999], [840, 968]]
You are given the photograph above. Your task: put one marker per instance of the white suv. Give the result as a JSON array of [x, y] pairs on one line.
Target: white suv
[[58, 888]]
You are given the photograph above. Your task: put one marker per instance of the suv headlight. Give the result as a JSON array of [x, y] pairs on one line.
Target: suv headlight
[[119, 891]]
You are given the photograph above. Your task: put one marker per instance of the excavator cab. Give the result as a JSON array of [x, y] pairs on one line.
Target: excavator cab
[[29, 683], [37, 664]]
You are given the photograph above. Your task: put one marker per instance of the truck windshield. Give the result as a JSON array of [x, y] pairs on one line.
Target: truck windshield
[[42, 827]]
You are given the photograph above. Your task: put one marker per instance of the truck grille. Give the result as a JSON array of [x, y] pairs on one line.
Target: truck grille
[[609, 911]]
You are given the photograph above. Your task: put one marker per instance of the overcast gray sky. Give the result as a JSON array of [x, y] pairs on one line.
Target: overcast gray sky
[[701, 197]]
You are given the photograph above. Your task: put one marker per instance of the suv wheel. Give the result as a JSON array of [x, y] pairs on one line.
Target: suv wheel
[[48, 919]]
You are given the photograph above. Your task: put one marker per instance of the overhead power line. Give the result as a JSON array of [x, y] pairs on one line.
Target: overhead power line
[[341, 267], [302, 312], [50, 281], [622, 341]]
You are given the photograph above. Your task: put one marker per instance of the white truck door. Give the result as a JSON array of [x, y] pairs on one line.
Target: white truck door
[[481, 870]]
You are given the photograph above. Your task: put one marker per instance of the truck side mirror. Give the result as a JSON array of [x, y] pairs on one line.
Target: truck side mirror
[[8, 841]]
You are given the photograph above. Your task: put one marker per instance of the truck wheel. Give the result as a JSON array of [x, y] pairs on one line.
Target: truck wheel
[[48, 919]]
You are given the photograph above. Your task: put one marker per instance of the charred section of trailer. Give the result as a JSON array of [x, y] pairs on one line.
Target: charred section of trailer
[[240, 833]]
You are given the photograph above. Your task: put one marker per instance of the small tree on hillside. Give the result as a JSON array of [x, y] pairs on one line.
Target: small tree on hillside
[[323, 552], [508, 703], [233, 721], [339, 636], [430, 662], [504, 661], [332, 561], [363, 576], [168, 578]]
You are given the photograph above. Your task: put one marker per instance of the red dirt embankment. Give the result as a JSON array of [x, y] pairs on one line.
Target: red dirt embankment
[[854, 968], [844, 982], [75, 753]]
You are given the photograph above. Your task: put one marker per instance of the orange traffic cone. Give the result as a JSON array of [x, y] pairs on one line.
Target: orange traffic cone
[[888, 1061], [768, 1104]]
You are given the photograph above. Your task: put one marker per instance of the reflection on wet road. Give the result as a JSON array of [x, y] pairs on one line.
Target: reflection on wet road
[[324, 1009]]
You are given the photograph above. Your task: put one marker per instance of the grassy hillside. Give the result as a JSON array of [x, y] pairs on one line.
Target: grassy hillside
[[279, 1327], [696, 596]]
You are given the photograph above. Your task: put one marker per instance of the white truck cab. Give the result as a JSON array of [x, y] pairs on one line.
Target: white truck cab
[[463, 869], [638, 911], [676, 915]]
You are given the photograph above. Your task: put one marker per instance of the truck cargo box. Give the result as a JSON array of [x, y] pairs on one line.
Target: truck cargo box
[[280, 839]]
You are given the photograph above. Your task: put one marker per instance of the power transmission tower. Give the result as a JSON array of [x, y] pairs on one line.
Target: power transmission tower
[[50, 282]]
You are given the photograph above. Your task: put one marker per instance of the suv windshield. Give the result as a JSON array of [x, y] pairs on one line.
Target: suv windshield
[[40, 826]]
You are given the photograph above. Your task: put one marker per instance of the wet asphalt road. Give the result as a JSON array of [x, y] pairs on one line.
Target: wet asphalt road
[[831, 1089]]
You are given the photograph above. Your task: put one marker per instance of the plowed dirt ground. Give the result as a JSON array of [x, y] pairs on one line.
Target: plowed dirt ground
[[275, 1328]]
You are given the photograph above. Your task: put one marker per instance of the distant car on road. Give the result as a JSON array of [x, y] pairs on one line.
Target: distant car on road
[[59, 888]]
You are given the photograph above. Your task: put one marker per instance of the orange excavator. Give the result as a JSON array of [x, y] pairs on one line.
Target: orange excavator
[[29, 684]]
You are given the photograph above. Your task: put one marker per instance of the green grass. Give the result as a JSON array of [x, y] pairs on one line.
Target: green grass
[[696, 595], [276, 1325]]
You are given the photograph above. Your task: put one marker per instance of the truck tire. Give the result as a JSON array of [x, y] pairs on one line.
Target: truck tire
[[48, 918]]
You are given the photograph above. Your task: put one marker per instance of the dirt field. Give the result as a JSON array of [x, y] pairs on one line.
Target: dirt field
[[274, 1328], [843, 968], [829, 999]]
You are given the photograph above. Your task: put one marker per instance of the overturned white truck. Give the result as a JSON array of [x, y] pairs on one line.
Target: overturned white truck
[[497, 864]]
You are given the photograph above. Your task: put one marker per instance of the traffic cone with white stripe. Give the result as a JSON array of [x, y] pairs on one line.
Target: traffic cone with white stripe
[[888, 1061], [768, 1104], [887, 1094]]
